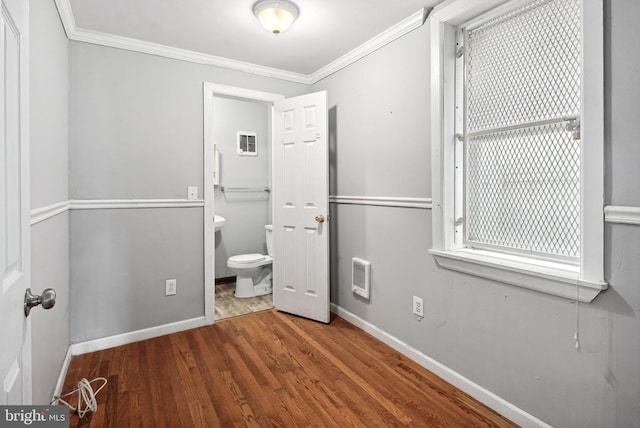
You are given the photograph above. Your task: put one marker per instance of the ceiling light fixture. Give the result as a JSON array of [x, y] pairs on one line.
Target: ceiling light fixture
[[276, 16]]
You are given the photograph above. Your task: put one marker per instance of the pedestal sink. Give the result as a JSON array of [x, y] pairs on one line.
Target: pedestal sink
[[218, 222]]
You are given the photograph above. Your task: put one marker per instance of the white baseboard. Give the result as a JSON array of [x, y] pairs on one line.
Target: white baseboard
[[117, 340], [134, 336], [63, 374], [481, 394]]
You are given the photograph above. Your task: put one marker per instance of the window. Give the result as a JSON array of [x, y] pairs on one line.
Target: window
[[247, 143], [510, 199], [521, 166]]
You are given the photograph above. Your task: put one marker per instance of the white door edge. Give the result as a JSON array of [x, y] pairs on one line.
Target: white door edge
[[15, 228]]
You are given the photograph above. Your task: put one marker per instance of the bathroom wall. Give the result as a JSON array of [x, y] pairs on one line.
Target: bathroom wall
[[136, 132], [514, 342], [246, 212], [49, 82]]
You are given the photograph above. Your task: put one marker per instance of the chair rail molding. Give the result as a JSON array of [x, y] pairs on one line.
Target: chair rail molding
[[383, 201], [613, 213], [98, 204], [622, 215], [40, 214], [48, 211]]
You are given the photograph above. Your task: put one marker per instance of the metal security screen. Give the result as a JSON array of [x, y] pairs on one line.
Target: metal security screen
[[522, 166]]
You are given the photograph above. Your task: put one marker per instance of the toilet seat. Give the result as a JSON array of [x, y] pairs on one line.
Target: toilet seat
[[247, 258]]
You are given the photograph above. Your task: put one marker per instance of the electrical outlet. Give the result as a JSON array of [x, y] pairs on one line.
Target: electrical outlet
[[170, 287], [192, 193], [418, 306]]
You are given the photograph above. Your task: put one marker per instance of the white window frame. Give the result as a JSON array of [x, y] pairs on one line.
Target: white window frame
[[583, 282]]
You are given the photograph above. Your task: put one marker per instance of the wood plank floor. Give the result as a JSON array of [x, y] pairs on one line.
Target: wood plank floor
[[270, 369], [228, 305]]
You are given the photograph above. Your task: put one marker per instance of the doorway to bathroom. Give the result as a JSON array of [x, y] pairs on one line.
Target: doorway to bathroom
[[298, 206], [242, 197]]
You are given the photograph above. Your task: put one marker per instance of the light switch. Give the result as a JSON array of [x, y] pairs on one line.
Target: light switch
[[192, 193]]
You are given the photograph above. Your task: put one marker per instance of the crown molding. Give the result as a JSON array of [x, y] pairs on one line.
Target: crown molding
[[66, 16], [126, 43], [389, 35], [110, 40]]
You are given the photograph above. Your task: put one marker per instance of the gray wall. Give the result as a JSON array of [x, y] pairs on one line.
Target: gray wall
[[246, 212], [49, 184], [514, 342], [136, 132], [120, 261], [622, 91]]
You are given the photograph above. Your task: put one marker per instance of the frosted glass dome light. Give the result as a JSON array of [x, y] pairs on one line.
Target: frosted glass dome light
[[276, 16]]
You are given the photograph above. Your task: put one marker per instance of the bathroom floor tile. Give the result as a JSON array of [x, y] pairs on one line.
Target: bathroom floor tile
[[227, 305]]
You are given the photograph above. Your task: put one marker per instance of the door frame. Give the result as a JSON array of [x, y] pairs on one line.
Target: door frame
[[210, 90]]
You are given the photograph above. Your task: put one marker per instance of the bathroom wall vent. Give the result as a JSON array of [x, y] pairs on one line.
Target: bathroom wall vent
[[360, 277], [247, 143]]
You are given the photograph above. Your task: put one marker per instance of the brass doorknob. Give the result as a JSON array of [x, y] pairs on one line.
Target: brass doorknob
[[320, 218]]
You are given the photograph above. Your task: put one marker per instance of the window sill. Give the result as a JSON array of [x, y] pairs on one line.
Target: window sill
[[546, 277]]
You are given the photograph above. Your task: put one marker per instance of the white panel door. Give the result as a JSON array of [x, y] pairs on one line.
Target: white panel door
[[15, 347], [301, 206]]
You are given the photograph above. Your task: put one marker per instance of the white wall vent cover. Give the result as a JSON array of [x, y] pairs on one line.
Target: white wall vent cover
[[360, 277], [247, 143]]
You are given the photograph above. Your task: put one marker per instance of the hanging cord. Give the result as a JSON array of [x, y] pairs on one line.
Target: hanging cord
[[576, 335], [86, 396]]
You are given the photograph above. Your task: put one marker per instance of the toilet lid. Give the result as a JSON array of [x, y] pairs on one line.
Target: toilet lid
[[247, 258]]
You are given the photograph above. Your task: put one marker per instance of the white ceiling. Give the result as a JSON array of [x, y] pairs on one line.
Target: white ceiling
[[325, 30]]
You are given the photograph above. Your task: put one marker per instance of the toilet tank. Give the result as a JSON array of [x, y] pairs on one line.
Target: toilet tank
[[269, 231]]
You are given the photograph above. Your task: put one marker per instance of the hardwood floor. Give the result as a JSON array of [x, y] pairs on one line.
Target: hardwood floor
[[228, 305], [270, 369]]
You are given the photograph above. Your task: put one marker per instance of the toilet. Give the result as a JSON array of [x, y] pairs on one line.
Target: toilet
[[253, 271]]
